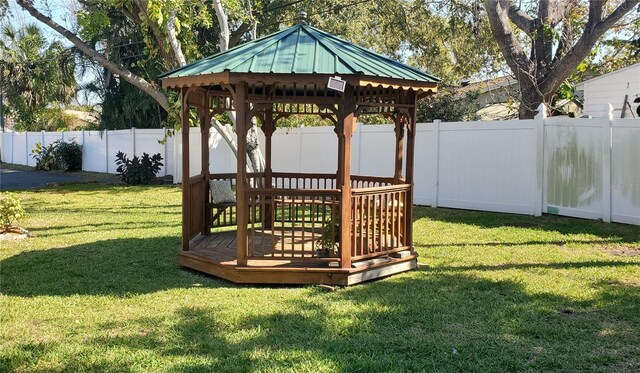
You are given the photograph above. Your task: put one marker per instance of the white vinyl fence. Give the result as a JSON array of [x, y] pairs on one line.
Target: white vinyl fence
[[588, 168]]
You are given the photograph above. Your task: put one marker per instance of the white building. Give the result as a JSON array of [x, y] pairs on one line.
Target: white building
[[612, 88]]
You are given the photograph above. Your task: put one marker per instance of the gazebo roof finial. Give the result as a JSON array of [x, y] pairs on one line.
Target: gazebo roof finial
[[302, 17]]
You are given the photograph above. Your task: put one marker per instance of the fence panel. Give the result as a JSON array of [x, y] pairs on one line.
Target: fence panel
[[574, 164], [488, 167], [625, 171], [426, 165]]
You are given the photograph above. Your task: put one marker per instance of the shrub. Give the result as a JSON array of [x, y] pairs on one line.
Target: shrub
[[138, 171], [45, 156], [58, 155], [11, 210], [69, 156]]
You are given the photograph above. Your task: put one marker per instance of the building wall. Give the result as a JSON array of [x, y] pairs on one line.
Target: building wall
[[611, 88]]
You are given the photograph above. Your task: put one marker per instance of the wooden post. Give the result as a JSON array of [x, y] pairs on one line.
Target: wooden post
[[269, 128], [399, 129], [242, 209], [186, 193], [411, 135], [345, 131], [205, 125]]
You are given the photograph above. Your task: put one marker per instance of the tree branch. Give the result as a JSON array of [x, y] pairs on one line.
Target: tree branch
[[157, 35], [235, 37], [170, 28], [224, 25], [519, 18], [149, 88], [565, 66], [503, 34]]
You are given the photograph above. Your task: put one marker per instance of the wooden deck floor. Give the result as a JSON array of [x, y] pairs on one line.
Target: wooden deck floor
[[216, 254], [221, 247]]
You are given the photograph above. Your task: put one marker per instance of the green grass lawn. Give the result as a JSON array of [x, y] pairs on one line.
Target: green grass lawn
[[99, 289]]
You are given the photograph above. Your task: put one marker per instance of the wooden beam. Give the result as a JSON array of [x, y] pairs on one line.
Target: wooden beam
[[268, 127], [186, 202], [196, 80], [411, 117], [399, 129], [205, 128], [348, 119], [242, 218]]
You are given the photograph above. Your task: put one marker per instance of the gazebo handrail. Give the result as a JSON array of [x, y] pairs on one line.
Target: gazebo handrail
[[380, 189], [290, 191]]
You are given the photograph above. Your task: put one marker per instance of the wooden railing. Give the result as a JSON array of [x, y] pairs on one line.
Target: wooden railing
[[294, 224], [224, 214], [378, 221], [358, 181], [298, 219], [289, 180], [196, 207]]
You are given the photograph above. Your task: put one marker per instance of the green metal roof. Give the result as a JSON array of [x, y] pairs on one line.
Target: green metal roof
[[301, 49]]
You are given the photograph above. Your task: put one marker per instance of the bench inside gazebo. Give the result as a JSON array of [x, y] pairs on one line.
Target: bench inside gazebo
[[299, 228]]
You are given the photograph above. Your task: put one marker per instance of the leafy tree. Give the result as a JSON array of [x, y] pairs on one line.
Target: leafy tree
[[551, 40], [39, 78], [448, 107]]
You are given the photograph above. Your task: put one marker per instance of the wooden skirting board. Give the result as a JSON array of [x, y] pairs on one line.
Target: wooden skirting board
[[283, 274]]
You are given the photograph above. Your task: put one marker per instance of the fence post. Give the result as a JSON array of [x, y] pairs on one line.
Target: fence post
[[13, 143], [164, 151], [106, 150], [540, 194], [26, 148], [606, 164], [436, 172], [83, 150], [62, 135], [177, 156], [133, 140]]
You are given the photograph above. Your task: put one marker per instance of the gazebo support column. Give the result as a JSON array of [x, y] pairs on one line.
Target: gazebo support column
[[347, 125], [186, 192], [411, 135], [399, 129], [242, 211], [268, 127], [205, 127]]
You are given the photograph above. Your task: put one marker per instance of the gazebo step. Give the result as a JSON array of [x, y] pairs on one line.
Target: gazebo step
[[370, 262], [401, 254]]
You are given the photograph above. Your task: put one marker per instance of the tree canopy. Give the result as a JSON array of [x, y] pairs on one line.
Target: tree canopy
[[38, 78], [544, 42]]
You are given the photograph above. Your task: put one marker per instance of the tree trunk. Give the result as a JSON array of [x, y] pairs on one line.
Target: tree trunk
[[530, 100]]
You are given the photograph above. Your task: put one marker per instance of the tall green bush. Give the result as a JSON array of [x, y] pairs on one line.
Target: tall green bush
[[69, 155], [45, 156], [59, 155], [136, 171], [11, 210]]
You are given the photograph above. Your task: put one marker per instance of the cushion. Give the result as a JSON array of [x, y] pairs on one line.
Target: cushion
[[221, 192]]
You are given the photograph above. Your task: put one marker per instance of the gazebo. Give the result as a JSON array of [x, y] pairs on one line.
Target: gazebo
[[298, 228]]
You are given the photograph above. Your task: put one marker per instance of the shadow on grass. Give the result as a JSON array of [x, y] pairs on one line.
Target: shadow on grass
[[112, 267], [563, 265], [415, 322], [609, 232]]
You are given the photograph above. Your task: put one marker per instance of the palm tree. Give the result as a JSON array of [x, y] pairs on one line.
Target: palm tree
[[39, 78]]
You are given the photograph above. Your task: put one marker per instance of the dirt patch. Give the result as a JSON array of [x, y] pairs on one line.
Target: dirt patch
[[13, 234], [621, 250]]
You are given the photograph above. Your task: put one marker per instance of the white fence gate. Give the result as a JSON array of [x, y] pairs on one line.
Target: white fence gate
[[588, 168]]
